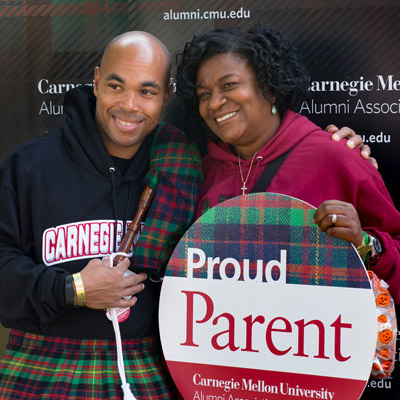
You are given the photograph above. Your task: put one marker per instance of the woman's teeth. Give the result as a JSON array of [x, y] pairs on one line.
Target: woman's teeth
[[226, 116]]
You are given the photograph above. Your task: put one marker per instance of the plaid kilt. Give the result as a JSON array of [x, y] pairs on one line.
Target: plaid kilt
[[39, 367]]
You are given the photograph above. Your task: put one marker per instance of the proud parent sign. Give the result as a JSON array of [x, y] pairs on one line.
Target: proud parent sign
[[258, 304]]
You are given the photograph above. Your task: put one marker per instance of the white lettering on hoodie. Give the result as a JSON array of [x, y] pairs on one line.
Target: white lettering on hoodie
[[77, 240]]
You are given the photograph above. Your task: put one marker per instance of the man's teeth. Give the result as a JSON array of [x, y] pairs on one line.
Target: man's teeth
[[125, 123], [226, 116]]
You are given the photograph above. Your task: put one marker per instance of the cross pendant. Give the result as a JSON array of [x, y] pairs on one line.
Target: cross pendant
[[244, 188]]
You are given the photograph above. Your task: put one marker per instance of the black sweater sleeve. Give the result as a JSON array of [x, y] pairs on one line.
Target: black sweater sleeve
[[28, 290]]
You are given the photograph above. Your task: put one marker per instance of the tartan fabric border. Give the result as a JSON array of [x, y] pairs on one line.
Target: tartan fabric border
[[263, 224], [176, 175], [35, 367]]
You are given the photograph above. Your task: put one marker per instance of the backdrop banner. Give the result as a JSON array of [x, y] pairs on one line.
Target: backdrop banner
[[349, 46], [258, 303]]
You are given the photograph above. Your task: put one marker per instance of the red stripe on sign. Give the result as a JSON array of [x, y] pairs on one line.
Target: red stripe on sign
[[201, 381]]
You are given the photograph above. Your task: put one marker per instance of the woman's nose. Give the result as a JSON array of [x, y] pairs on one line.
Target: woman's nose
[[216, 100]]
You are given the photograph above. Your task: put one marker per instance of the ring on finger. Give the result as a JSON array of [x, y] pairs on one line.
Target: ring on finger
[[333, 219]]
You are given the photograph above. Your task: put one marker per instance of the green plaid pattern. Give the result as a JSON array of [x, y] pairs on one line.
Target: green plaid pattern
[[176, 175], [35, 367], [261, 225]]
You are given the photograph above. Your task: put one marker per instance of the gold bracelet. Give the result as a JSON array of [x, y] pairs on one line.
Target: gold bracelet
[[80, 289], [365, 246]]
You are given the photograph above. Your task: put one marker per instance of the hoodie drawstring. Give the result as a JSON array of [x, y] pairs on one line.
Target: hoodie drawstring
[[128, 395], [112, 171]]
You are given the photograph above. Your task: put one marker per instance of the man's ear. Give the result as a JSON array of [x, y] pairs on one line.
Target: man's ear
[[96, 80]]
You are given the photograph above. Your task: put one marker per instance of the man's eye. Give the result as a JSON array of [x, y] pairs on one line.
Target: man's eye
[[148, 92], [113, 86]]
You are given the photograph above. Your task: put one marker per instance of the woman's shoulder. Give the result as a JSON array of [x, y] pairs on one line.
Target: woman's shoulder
[[319, 149]]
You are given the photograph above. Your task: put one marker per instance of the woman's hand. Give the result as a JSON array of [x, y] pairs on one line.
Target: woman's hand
[[339, 219], [353, 141]]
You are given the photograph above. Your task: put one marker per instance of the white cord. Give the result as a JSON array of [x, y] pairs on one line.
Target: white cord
[[128, 395]]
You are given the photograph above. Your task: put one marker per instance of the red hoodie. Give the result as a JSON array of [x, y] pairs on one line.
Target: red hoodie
[[317, 169]]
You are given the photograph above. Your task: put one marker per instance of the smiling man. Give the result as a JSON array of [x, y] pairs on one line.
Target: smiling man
[[132, 87], [66, 199]]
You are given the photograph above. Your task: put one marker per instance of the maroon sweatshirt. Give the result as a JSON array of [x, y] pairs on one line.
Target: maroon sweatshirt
[[316, 169]]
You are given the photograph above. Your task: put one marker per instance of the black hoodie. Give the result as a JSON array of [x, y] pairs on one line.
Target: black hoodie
[[57, 211]]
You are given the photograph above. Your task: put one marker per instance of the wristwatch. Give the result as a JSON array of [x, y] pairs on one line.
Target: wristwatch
[[376, 248]]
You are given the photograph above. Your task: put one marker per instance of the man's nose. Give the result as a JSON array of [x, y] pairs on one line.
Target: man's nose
[[129, 101]]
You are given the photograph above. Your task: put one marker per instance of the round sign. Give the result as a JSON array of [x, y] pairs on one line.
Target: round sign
[[258, 304]]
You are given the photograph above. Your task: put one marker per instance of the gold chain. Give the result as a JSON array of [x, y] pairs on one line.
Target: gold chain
[[244, 187]]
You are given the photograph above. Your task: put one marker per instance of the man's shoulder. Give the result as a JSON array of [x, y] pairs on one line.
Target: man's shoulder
[[40, 148], [171, 137], [167, 130], [39, 142]]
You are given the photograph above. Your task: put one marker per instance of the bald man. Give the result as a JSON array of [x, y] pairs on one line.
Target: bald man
[[66, 199], [132, 87]]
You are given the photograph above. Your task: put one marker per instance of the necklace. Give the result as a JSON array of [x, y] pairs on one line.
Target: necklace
[[244, 187]]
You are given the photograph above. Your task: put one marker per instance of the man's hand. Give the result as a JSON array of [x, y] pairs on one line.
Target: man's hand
[[105, 287], [353, 141]]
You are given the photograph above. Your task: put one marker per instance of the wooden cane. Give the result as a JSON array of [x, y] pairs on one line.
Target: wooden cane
[[134, 226]]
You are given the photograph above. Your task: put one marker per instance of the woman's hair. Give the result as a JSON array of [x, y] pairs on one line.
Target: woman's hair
[[277, 65]]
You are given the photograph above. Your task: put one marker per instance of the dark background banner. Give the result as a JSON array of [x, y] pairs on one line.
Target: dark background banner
[[350, 47]]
